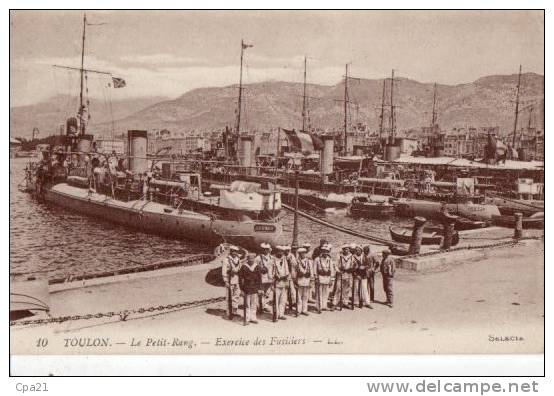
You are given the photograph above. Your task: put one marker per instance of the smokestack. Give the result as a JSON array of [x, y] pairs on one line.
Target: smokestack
[[246, 150], [392, 152], [326, 156], [137, 143], [84, 143]]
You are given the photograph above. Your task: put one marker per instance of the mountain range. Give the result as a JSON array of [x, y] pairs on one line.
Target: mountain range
[[488, 101]]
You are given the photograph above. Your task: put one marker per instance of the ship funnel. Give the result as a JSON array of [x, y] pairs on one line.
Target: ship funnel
[[391, 152], [326, 157], [72, 126], [84, 144], [137, 143], [246, 150]]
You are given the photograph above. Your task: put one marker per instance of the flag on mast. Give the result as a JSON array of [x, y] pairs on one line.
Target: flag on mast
[[118, 82], [245, 46], [303, 141]]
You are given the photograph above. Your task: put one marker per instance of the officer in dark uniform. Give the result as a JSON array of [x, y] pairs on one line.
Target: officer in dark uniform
[[372, 264], [388, 268]]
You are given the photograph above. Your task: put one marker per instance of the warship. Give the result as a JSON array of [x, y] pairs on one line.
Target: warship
[[129, 190]]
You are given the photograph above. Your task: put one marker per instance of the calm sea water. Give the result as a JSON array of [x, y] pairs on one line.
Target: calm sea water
[[48, 239]]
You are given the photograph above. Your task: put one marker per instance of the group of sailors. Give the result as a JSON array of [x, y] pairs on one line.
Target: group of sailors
[[298, 278]]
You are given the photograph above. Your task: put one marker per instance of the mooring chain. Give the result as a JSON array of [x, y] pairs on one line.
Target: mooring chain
[[123, 315], [470, 247]]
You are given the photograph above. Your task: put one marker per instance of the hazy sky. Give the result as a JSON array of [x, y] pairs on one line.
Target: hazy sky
[[170, 52]]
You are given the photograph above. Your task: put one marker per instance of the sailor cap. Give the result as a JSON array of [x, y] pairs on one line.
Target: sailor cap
[[265, 245], [346, 246], [354, 246], [302, 250], [286, 247], [233, 248], [307, 245], [326, 247], [386, 252]]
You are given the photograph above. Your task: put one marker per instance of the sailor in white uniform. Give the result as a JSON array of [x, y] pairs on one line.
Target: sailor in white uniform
[[302, 275], [266, 261], [281, 276], [230, 270], [325, 269]]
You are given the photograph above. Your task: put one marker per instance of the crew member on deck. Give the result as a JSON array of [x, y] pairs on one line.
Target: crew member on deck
[[230, 270], [250, 280]]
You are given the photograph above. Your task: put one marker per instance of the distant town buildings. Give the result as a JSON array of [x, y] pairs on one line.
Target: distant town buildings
[[531, 141], [109, 146], [178, 142], [467, 142]]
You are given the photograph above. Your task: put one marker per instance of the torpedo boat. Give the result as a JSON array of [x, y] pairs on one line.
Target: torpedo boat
[[130, 189]]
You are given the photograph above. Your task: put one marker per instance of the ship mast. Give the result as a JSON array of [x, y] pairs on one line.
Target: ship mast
[[382, 116], [239, 102], [517, 107], [392, 118], [434, 113], [304, 99], [528, 127], [345, 110], [82, 72]]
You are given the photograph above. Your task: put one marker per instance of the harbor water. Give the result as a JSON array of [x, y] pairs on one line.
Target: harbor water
[[45, 239]]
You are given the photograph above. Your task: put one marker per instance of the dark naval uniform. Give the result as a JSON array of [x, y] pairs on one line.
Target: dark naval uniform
[[372, 263], [250, 281], [360, 279]]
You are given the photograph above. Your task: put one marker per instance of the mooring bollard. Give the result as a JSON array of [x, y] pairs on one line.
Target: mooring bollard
[[448, 224], [417, 235], [518, 225]]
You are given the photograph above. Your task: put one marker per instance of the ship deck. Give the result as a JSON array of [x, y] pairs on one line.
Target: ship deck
[[134, 205]]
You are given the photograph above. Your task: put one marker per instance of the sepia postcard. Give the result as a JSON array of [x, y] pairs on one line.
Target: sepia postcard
[[276, 182]]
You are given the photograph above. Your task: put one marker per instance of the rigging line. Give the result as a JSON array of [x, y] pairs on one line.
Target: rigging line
[[68, 98], [105, 95], [56, 89], [244, 110], [111, 113]]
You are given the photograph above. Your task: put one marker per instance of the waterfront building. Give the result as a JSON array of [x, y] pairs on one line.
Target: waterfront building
[[108, 146]]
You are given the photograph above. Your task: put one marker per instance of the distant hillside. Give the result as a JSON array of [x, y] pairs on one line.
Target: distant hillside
[[488, 101], [48, 115]]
